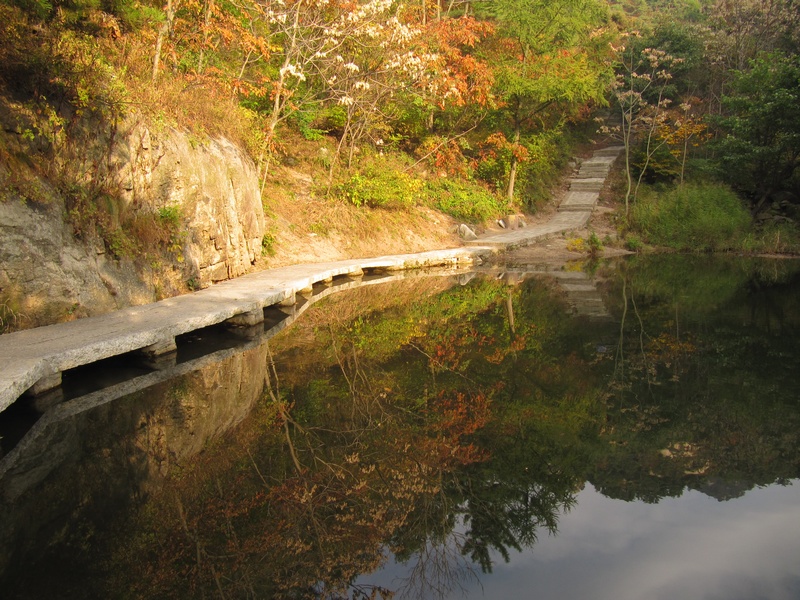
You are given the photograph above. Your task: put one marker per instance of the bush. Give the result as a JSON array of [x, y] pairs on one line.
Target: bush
[[380, 186], [594, 243], [705, 217], [465, 201], [633, 243], [577, 245]]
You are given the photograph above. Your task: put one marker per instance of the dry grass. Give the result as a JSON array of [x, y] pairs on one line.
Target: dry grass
[[205, 106], [310, 229], [311, 226]]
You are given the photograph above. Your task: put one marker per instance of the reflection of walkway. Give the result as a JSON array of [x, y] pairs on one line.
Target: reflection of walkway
[[574, 210], [43, 438], [580, 289], [582, 294]]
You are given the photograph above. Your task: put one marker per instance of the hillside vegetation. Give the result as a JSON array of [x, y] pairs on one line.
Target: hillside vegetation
[[372, 115]]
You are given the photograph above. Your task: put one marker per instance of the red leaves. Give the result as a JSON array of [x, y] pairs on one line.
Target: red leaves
[[454, 417]]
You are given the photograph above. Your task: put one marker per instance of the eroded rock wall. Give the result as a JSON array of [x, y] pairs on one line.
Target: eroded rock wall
[[46, 275], [214, 184]]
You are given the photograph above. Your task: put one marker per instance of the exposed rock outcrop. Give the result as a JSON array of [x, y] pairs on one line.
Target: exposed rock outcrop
[[215, 186], [47, 275]]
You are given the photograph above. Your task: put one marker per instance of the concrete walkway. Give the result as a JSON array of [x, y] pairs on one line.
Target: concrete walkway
[[34, 359], [573, 212]]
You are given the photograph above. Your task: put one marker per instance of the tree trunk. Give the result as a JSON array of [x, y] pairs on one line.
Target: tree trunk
[[278, 101], [163, 34], [206, 27], [626, 141], [512, 175]]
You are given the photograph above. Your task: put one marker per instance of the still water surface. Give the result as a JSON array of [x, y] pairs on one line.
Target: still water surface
[[629, 430]]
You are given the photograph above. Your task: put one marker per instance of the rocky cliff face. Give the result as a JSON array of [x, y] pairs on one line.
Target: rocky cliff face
[[46, 275], [215, 186]]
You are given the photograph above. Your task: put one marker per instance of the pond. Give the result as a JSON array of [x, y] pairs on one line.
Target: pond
[[626, 429]]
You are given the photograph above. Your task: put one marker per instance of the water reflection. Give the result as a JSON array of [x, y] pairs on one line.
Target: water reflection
[[424, 431]]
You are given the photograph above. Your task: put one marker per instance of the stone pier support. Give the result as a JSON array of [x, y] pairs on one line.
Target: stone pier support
[[247, 319], [290, 301], [159, 362], [45, 384], [160, 348]]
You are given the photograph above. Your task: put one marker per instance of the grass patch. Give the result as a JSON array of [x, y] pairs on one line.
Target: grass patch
[[706, 217], [773, 238], [268, 243]]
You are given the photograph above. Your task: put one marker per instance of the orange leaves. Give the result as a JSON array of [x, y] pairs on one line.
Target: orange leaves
[[454, 417], [461, 32], [497, 146], [445, 155], [461, 414], [459, 78]]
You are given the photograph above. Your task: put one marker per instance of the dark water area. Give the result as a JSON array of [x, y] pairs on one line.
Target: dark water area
[[628, 429]]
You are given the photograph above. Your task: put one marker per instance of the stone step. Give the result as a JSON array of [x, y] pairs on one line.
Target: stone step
[[592, 174], [566, 209], [592, 184], [574, 288], [600, 160], [609, 151], [578, 200]]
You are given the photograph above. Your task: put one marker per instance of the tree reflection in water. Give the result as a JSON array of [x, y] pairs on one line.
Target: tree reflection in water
[[412, 431], [445, 428]]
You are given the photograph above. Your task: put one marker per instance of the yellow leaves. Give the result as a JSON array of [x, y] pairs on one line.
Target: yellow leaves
[[681, 129], [577, 245], [307, 495]]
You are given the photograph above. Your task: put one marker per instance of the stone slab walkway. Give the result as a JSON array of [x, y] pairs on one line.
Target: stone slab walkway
[[573, 212], [34, 359]]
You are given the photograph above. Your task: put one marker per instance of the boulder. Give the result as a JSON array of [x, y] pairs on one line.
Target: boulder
[[465, 233]]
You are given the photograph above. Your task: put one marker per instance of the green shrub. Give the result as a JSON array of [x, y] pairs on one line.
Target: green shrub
[[118, 243], [693, 217], [385, 187], [170, 216], [464, 200], [268, 242], [306, 119], [594, 243], [633, 243]]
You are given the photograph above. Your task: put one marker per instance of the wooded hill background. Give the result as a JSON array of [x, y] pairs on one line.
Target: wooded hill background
[[471, 107]]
